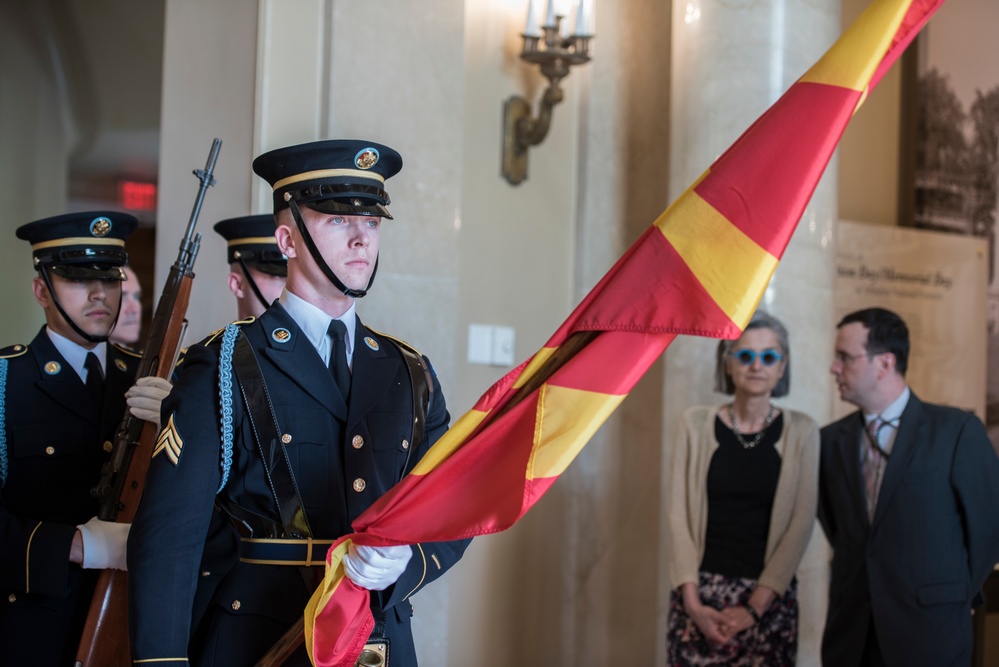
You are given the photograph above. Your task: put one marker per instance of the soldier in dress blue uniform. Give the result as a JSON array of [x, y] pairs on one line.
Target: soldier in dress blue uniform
[[61, 398], [257, 273], [257, 268], [293, 424]]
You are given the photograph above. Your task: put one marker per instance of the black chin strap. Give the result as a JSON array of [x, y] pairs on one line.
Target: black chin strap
[[69, 320], [253, 284], [321, 263]]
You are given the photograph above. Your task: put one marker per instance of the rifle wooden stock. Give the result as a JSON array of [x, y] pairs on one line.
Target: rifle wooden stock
[[295, 635], [104, 642], [284, 647]]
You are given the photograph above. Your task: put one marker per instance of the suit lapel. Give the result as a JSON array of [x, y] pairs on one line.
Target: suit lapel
[[64, 386], [295, 356], [372, 372], [906, 441], [849, 452]]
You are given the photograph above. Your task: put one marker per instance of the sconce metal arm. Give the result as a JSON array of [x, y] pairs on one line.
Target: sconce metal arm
[[520, 129], [532, 131]]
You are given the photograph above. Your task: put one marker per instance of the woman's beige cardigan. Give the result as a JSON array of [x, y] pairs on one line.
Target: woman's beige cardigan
[[795, 501]]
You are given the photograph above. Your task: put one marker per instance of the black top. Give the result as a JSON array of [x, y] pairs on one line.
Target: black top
[[741, 487]]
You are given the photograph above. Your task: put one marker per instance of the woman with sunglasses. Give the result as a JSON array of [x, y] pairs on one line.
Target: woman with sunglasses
[[741, 506]]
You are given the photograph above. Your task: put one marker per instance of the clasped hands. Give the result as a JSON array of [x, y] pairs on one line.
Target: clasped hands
[[719, 627]]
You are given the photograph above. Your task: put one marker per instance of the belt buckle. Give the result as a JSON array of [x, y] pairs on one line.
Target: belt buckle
[[374, 654]]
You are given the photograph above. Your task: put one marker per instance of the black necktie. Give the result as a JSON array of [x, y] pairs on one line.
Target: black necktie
[[338, 357], [95, 376]]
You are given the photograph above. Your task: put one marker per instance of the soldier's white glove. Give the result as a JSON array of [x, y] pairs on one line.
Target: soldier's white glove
[[376, 568], [104, 544], [145, 396]]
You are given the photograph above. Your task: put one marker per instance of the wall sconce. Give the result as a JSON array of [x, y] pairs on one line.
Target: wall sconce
[[555, 54]]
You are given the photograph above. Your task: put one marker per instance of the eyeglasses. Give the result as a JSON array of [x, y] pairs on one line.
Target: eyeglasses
[[767, 357], [844, 358]]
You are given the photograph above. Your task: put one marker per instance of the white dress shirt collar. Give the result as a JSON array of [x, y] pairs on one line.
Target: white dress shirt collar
[[76, 355], [315, 323]]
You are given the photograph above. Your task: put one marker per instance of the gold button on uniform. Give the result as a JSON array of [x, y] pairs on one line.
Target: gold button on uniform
[[50, 450], [286, 438], [236, 605], [359, 484], [108, 446], [206, 573], [11, 598], [405, 444], [357, 442]]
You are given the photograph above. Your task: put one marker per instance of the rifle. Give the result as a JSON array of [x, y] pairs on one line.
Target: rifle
[[104, 642]]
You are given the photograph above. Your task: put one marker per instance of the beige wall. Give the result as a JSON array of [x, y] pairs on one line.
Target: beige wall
[[37, 133], [869, 150], [208, 92]]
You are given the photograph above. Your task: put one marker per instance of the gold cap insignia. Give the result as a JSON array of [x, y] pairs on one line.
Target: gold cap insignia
[[356, 202], [120, 365], [53, 367], [366, 158], [169, 443], [100, 226], [371, 343], [281, 335]]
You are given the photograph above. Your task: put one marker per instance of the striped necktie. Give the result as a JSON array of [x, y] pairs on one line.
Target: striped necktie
[[874, 462]]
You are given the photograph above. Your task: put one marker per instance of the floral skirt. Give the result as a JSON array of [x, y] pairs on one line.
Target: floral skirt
[[773, 642]]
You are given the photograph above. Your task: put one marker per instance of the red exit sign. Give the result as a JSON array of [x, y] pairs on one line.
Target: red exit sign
[[137, 196]]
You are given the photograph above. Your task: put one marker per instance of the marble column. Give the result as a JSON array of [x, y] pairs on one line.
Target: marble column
[[730, 62]]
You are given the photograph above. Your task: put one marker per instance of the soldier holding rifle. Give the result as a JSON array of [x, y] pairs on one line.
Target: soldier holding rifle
[[293, 424], [61, 397]]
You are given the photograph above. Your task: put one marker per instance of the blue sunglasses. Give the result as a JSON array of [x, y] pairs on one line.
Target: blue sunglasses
[[767, 357]]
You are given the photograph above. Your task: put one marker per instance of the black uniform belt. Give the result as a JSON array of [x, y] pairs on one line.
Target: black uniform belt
[[284, 552]]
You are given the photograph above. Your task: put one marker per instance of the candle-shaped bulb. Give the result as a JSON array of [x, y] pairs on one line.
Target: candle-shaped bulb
[[584, 19], [532, 29]]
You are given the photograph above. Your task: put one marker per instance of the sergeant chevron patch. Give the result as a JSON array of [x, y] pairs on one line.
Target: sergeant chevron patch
[[169, 442]]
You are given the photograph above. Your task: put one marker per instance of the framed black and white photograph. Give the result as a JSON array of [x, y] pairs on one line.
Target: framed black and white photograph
[[950, 149]]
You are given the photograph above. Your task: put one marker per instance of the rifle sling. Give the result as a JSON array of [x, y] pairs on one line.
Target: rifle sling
[[266, 432], [419, 378]]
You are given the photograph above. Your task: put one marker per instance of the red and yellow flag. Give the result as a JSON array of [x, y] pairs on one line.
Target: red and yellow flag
[[700, 269]]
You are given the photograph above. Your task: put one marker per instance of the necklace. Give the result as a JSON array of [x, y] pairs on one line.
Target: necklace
[[749, 444]]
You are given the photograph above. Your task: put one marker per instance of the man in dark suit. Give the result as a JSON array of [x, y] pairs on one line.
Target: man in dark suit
[[909, 499], [61, 398], [293, 424]]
